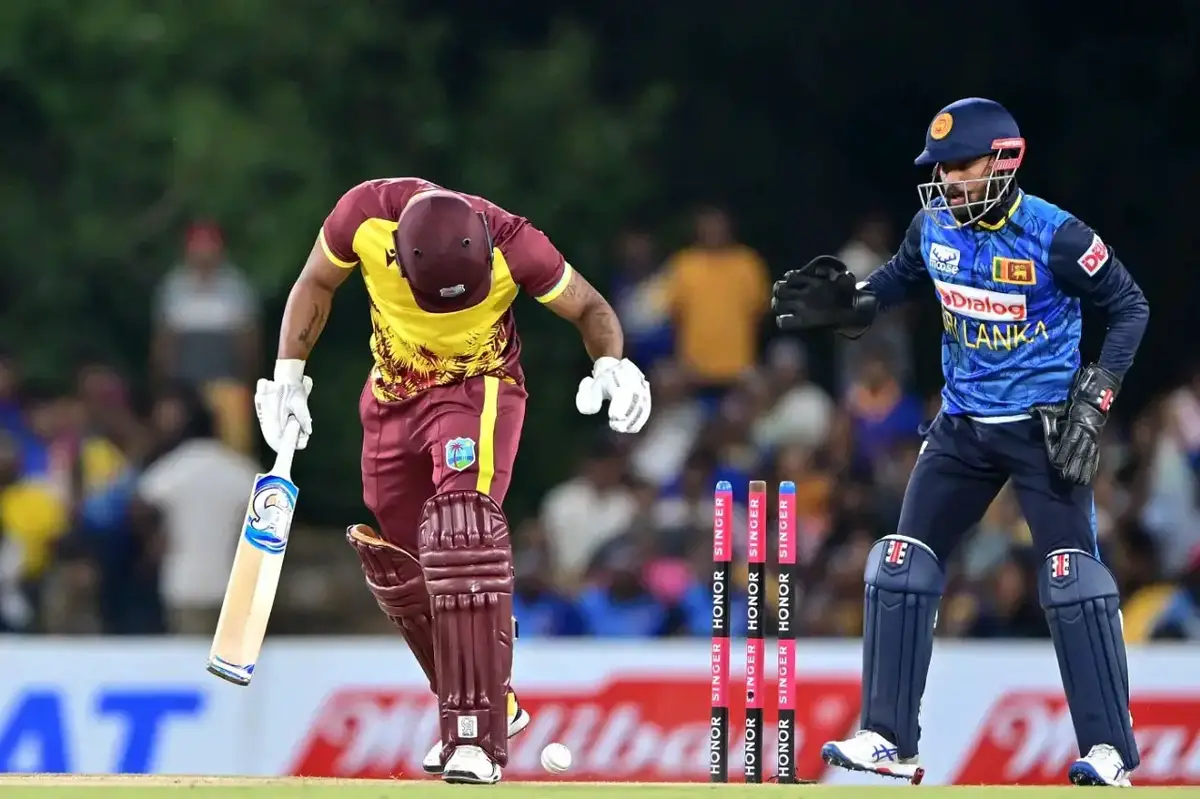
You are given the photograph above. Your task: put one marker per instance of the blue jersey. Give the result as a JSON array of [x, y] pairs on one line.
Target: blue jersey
[[1011, 298]]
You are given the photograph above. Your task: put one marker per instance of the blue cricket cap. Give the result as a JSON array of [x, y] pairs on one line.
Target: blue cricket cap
[[966, 129]]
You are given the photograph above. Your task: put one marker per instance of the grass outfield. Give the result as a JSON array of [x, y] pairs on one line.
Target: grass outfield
[[43, 786]]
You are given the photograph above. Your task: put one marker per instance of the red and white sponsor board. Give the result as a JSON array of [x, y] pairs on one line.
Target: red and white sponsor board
[[625, 728], [993, 713]]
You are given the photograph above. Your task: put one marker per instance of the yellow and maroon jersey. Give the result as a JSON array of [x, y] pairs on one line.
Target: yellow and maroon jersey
[[415, 349]]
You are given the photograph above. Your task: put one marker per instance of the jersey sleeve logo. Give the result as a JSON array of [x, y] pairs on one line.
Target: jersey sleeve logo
[[1014, 271], [1095, 257]]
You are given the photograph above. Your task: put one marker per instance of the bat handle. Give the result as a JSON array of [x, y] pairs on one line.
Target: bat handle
[[287, 449]]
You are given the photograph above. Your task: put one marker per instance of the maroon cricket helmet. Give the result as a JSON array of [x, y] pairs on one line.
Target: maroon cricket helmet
[[444, 250]]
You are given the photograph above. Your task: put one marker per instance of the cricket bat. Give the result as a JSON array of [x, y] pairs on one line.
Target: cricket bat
[[257, 564]]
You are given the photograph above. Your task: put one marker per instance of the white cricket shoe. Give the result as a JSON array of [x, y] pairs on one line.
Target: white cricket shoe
[[470, 765], [1101, 766], [871, 752], [518, 720]]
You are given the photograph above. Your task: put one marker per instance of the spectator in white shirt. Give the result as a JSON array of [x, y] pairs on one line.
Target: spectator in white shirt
[[586, 512], [199, 486], [660, 451], [803, 414]]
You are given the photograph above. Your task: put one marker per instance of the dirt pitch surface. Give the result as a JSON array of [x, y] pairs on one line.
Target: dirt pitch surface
[[86, 786]]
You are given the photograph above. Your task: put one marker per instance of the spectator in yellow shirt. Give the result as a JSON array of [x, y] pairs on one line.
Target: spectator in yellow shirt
[[718, 291], [32, 519]]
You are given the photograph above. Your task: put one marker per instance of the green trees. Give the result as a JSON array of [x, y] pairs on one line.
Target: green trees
[[124, 119]]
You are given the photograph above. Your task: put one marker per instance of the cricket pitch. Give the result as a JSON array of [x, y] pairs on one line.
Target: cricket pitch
[[83, 786]]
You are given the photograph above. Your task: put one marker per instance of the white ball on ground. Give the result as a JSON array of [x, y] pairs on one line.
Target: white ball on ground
[[556, 758]]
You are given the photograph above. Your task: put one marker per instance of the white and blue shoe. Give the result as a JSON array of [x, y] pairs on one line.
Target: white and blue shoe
[[1100, 766], [872, 753]]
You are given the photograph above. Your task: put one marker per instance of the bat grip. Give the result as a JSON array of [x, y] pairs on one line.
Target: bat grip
[[287, 449]]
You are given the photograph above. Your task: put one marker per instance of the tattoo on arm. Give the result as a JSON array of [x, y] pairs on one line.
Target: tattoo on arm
[[572, 290], [316, 323], [601, 331], [308, 304], [587, 309]]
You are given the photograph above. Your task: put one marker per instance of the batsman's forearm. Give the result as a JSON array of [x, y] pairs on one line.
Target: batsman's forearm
[[601, 332], [303, 319]]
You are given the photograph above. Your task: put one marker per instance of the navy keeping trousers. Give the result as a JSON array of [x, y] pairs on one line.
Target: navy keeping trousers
[[962, 467]]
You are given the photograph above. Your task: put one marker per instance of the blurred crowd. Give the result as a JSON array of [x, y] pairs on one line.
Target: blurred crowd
[[119, 519]]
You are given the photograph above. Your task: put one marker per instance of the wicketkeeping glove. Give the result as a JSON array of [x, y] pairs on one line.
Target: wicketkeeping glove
[[1073, 433], [822, 294]]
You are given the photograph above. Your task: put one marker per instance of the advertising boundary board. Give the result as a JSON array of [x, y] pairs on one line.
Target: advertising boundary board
[[360, 707]]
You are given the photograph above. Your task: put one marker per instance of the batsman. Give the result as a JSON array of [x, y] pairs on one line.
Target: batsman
[[1012, 272], [442, 411]]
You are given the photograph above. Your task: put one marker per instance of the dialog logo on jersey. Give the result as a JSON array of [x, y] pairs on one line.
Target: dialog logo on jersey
[[944, 259], [987, 306]]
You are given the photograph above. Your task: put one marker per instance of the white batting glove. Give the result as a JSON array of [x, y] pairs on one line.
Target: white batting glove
[[623, 386], [285, 397]]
